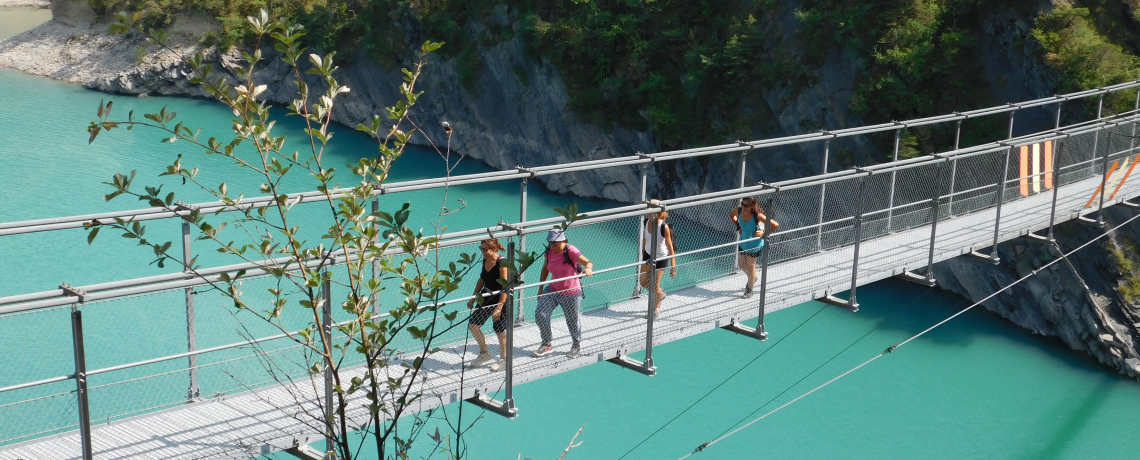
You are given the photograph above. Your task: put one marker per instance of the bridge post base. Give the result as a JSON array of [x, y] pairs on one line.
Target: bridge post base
[[635, 365], [919, 279], [983, 257], [505, 408], [1090, 222], [1034, 236], [755, 332], [1129, 205], [304, 452], [837, 302]]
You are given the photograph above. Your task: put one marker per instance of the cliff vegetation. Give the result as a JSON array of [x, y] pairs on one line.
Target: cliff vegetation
[[695, 72]]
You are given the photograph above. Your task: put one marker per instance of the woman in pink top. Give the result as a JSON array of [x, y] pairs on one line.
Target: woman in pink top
[[562, 260]]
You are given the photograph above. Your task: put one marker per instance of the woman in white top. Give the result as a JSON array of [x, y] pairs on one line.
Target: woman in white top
[[664, 249]]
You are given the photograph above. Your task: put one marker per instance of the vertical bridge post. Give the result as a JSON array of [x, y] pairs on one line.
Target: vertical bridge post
[[851, 303], [520, 316], [640, 226], [506, 407], [193, 392], [935, 198], [651, 310], [953, 171], [1057, 145], [509, 354], [999, 198], [738, 327], [326, 332], [1060, 103], [1096, 137], [894, 174], [822, 197], [80, 371], [1011, 114], [1103, 180], [646, 367]]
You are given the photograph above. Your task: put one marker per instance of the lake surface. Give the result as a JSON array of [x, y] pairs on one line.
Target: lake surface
[[977, 387]]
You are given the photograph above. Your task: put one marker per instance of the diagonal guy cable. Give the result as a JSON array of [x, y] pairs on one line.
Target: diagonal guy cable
[[892, 348]]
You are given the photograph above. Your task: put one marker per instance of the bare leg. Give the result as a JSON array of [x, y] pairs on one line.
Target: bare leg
[[748, 264], [660, 293], [645, 276], [502, 343], [477, 332]]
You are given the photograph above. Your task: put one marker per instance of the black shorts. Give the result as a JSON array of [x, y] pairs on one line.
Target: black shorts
[[755, 253], [661, 264], [480, 314]]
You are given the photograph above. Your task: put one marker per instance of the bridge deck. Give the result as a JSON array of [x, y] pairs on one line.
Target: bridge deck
[[263, 420]]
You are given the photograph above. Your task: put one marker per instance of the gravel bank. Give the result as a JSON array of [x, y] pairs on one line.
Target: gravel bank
[[31, 3]]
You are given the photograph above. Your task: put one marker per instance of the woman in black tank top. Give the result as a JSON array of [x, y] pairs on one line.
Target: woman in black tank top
[[494, 299]]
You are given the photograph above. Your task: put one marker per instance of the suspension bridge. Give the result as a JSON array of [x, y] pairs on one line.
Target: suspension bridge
[[839, 230]]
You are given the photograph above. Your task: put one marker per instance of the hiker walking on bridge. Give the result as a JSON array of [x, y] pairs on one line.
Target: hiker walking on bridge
[[563, 260], [663, 249], [747, 218], [494, 297]]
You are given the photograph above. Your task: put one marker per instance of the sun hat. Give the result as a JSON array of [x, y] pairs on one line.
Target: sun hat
[[555, 235]]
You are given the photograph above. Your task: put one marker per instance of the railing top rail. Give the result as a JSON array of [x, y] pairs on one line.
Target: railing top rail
[[66, 222]]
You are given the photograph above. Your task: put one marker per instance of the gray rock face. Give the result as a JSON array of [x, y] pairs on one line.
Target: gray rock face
[[1078, 302]]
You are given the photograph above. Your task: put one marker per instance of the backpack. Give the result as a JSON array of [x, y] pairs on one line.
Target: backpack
[[578, 268]]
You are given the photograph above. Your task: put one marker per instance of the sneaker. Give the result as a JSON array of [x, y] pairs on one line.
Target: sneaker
[[481, 359], [747, 293], [498, 366], [543, 350], [575, 350]]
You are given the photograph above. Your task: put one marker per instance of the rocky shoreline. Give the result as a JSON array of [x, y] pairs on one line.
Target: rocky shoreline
[[25, 3]]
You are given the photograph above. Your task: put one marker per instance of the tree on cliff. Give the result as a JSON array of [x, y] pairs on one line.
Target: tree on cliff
[[367, 357]]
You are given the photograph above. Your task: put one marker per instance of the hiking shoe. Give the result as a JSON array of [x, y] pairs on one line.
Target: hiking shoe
[[481, 359], [499, 366], [543, 350], [747, 293], [575, 350]]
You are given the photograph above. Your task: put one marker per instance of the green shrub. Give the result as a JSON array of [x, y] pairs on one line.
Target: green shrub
[[1083, 57]]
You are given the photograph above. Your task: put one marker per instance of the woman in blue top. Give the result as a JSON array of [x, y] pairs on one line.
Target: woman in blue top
[[747, 218]]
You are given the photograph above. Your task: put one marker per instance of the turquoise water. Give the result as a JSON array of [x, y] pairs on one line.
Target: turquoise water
[[975, 388]]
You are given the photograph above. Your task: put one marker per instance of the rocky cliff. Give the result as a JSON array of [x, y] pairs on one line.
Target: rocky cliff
[[1087, 302], [516, 113]]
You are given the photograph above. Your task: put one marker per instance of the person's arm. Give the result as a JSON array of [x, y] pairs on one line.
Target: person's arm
[[772, 224], [503, 273], [669, 243], [478, 287], [733, 214], [589, 271]]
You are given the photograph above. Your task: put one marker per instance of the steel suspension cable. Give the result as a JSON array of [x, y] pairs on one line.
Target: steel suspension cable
[[702, 398], [860, 339], [892, 348]]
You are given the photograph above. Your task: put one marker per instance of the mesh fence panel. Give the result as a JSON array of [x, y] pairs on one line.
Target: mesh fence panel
[[38, 411]]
